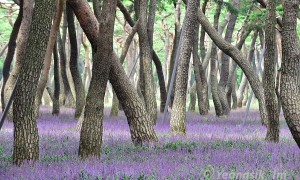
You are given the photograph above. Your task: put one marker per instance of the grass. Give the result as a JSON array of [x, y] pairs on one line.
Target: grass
[[214, 148]]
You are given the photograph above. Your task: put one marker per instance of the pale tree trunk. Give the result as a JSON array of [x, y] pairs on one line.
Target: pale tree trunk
[[48, 56], [79, 88], [245, 98], [115, 105], [140, 124], [177, 121], [10, 52], [92, 127], [21, 48], [26, 140], [289, 84], [87, 74], [225, 61], [213, 72]]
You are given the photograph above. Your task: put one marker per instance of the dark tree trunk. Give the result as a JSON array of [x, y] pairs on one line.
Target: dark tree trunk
[[201, 82], [174, 49], [192, 98], [48, 56], [92, 127], [79, 88], [69, 99], [269, 74], [26, 140], [177, 121], [10, 52], [289, 84], [213, 72], [55, 108], [115, 105]]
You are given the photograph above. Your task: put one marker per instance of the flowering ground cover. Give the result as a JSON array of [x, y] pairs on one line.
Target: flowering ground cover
[[214, 148]]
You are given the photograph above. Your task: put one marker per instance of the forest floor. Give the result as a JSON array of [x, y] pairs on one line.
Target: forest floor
[[214, 148]]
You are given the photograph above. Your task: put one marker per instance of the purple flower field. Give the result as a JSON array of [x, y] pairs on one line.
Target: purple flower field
[[214, 148]]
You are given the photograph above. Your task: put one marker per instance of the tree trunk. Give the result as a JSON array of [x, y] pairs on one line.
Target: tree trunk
[[201, 82], [92, 127], [192, 98], [246, 93], [174, 50], [10, 52], [139, 122], [26, 140], [146, 61], [213, 72], [269, 74], [115, 105], [225, 61], [289, 85], [48, 56], [69, 99], [244, 81], [21, 47], [177, 121], [80, 94], [55, 108], [236, 55]]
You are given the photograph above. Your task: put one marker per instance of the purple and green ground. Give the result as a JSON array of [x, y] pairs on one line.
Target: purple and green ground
[[214, 148]]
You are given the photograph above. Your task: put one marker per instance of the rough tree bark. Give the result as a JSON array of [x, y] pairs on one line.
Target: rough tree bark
[[48, 56], [26, 140], [289, 85], [79, 88], [192, 98], [177, 121], [269, 74]]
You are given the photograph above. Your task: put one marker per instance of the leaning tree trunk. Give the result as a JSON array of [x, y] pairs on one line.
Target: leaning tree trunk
[[213, 72], [269, 74], [21, 47], [10, 52], [92, 127], [80, 94], [146, 61], [139, 122], [289, 85], [26, 140], [177, 121], [225, 61], [236, 55]]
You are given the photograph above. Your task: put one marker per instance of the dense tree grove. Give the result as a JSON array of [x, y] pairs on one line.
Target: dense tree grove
[[143, 52]]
